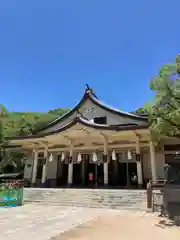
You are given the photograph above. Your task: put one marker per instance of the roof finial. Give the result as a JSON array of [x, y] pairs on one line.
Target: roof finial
[[87, 86]]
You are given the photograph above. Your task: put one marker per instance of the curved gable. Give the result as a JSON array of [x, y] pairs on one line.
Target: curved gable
[[90, 106]]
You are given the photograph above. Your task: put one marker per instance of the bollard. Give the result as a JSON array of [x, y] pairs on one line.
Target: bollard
[[149, 195]]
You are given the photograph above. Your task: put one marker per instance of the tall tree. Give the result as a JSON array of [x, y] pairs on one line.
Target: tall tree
[[164, 114], [5, 160]]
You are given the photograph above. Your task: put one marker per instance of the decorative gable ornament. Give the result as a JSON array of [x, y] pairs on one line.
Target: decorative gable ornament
[[94, 157], [62, 156], [79, 158], [89, 110], [113, 155]]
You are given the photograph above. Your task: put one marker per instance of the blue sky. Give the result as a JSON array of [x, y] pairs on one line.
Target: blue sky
[[49, 50]]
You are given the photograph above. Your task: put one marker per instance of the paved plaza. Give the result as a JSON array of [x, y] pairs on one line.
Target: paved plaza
[[44, 222], [125, 225], [37, 222]]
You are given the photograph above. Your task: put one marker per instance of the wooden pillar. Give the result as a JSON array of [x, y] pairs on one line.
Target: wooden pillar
[[139, 164], [70, 168], [106, 180], [44, 170], [35, 162], [153, 161]]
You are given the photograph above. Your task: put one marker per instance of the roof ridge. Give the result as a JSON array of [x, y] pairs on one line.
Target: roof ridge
[[89, 93], [97, 100]]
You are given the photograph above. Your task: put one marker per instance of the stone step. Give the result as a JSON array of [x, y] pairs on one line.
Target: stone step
[[95, 198], [85, 198], [85, 191], [120, 207]]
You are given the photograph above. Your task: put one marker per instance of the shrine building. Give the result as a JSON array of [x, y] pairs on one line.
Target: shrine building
[[114, 145]]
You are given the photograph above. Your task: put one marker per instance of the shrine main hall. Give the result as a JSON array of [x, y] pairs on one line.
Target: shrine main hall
[[93, 137]]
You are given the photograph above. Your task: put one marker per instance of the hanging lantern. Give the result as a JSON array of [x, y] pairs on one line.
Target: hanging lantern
[[129, 155], [113, 155], [62, 156], [79, 158], [51, 158], [94, 157], [45, 154]]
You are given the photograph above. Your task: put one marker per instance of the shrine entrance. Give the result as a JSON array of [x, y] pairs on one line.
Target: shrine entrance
[[62, 173], [77, 175], [96, 168]]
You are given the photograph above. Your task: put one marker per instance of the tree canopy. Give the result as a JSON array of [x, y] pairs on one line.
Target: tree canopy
[[164, 112], [23, 123], [20, 124]]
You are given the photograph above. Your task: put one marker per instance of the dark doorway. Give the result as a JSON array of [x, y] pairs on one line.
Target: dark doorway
[[77, 172], [40, 164], [132, 171], [122, 174], [100, 175], [90, 168], [172, 159], [126, 171], [112, 173], [59, 169], [62, 179]]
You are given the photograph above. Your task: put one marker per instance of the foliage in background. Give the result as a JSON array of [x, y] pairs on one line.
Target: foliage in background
[[20, 124], [164, 112], [23, 123], [6, 162]]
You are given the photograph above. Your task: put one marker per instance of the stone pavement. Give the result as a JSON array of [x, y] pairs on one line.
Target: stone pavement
[[45, 222], [38, 222], [126, 225]]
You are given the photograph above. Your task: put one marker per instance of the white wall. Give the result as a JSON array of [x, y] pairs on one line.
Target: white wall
[[160, 161], [52, 168], [147, 166], [28, 168]]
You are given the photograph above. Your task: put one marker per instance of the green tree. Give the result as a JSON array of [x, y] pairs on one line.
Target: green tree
[[25, 123], [5, 160], [19, 124], [145, 109], [164, 114]]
